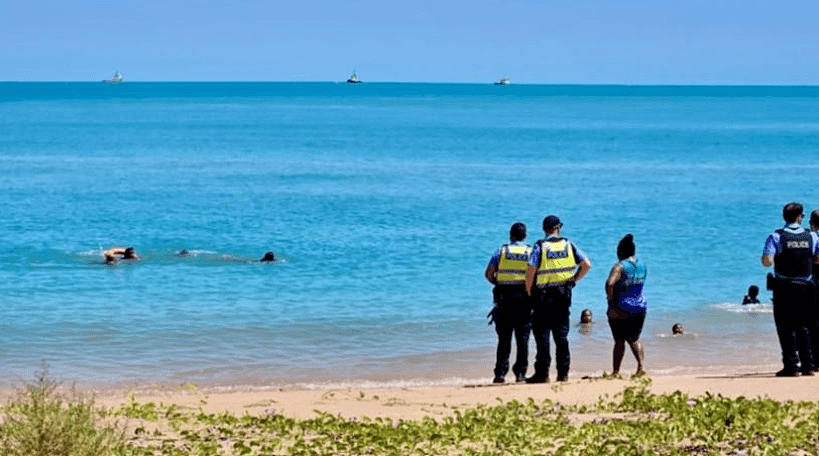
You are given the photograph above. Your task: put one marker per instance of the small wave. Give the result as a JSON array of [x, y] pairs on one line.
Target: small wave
[[197, 252], [360, 384], [744, 308], [687, 336], [389, 384]]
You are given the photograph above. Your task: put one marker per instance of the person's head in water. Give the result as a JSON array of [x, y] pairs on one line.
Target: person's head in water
[[586, 316], [793, 213], [517, 232], [625, 248], [129, 254], [183, 252], [677, 329], [268, 257], [753, 291]]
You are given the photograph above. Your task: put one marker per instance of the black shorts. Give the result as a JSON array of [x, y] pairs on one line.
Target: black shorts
[[628, 328]]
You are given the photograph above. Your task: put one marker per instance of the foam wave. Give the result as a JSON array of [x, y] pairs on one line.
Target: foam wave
[[744, 308]]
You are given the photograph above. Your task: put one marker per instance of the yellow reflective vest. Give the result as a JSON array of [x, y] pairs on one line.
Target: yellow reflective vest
[[557, 262], [513, 264]]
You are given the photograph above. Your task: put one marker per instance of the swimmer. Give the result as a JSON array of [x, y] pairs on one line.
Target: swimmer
[[584, 327], [268, 257], [183, 253], [115, 254], [677, 330], [751, 297]]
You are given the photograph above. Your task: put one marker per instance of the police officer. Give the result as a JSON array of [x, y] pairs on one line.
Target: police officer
[[792, 251], [813, 327], [553, 272], [513, 305]]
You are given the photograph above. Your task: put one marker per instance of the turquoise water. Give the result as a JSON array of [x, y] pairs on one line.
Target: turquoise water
[[383, 203]]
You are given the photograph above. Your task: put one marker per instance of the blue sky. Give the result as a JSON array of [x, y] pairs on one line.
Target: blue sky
[[594, 41]]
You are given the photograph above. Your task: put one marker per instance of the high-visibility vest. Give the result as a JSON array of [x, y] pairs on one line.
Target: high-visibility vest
[[513, 264], [557, 262]]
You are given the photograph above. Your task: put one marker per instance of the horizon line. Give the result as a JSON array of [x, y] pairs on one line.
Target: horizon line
[[238, 81]]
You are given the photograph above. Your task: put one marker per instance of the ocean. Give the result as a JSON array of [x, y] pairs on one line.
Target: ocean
[[383, 203]]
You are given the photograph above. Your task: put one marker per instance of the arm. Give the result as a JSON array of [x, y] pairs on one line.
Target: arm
[[114, 251], [771, 245], [767, 260], [491, 274], [585, 265], [530, 279], [614, 276]]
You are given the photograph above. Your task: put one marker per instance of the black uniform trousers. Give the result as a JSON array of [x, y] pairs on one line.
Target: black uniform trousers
[[551, 315], [813, 323], [512, 314], [793, 305]]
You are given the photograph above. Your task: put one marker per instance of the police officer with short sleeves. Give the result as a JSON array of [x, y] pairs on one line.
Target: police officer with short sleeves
[[513, 306], [792, 251], [555, 266]]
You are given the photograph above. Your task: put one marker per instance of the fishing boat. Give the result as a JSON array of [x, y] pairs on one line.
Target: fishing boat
[[114, 80], [503, 82], [353, 79]]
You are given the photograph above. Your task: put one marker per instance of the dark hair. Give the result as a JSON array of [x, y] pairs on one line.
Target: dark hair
[[626, 247], [677, 329], [129, 253], [753, 290], [550, 222], [517, 232], [791, 211], [814, 217], [268, 257]]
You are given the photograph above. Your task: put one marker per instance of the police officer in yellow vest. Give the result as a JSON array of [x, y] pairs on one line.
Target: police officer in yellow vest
[[555, 266], [513, 305]]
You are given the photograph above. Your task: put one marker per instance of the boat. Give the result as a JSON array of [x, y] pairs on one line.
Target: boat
[[353, 79], [503, 82], [114, 80]]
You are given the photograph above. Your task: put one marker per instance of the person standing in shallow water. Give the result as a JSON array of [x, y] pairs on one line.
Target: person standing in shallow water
[[586, 317], [555, 266], [627, 306], [752, 296], [513, 306], [792, 251]]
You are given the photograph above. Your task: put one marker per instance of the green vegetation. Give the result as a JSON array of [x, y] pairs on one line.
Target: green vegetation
[[41, 421], [635, 422]]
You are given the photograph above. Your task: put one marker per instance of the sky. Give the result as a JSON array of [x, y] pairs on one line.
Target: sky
[[546, 42]]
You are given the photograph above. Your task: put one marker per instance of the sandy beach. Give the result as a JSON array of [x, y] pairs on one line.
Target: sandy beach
[[412, 403]]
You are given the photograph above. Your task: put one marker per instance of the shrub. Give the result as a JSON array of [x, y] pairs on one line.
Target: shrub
[[42, 421]]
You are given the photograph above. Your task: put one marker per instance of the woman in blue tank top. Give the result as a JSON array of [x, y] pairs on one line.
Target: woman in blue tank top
[[627, 306]]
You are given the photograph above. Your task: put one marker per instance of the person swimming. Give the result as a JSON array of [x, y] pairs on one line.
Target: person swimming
[[116, 254], [586, 316], [751, 297], [268, 258], [677, 330]]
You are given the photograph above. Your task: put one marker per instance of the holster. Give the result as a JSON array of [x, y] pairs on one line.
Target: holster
[[770, 282]]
